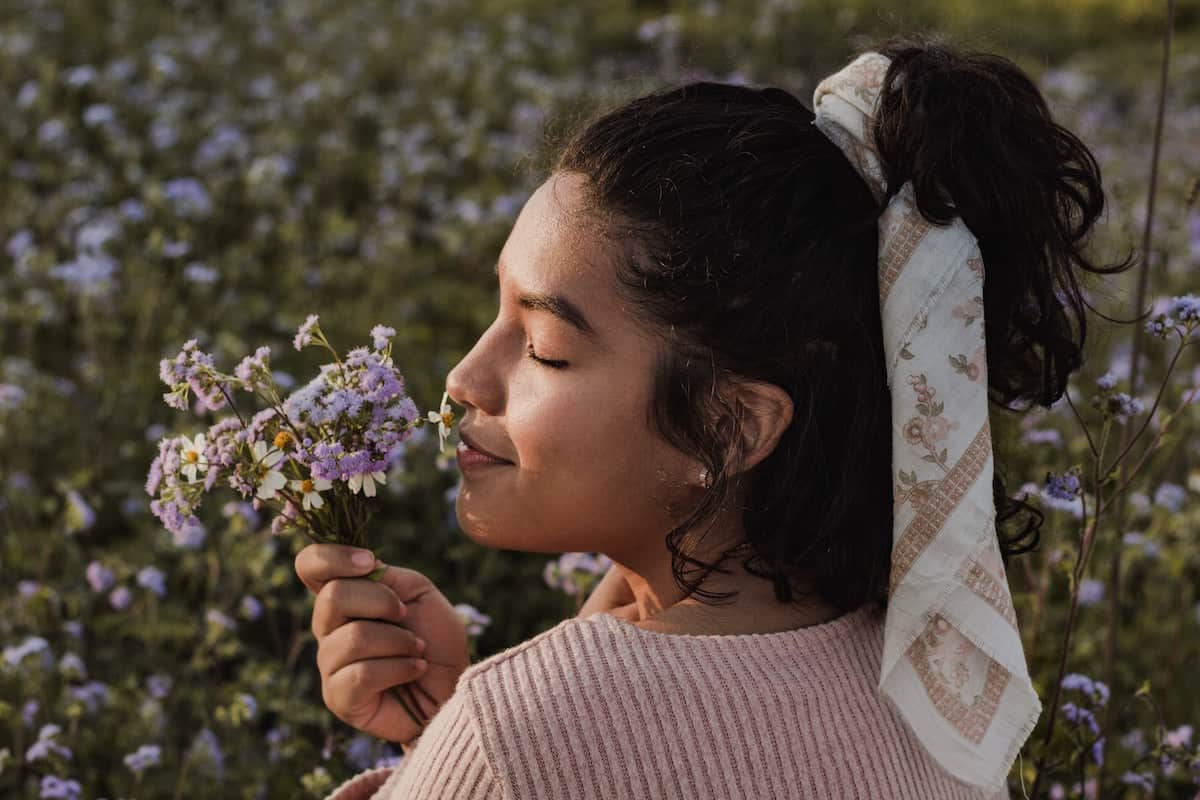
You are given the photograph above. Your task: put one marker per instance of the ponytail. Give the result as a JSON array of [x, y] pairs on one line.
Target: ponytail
[[976, 138]]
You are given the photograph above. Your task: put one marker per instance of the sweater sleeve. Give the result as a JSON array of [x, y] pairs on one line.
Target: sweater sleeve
[[449, 762]]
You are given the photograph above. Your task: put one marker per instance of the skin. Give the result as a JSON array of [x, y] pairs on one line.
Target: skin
[[587, 473]]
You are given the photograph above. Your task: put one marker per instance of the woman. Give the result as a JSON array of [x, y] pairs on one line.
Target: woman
[[687, 373]]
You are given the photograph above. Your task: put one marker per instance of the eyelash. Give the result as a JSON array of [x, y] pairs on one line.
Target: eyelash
[[551, 363]]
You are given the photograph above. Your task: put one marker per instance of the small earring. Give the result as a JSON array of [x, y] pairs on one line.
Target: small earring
[[705, 480]]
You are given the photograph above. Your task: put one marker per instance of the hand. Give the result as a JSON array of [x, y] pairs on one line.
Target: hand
[[611, 595], [367, 641]]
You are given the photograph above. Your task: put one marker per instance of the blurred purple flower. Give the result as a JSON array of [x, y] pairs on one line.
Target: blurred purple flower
[[159, 685], [196, 272], [120, 598], [13, 656], [152, 578], [56, 787], [218, 618], [144, 757], [99, 576], [251, 608], [29, 711], [1091, 592], [11, 396], [189, 537], [1170, 496], [47, 744], [1180, 737], [188, 197], [72, 667], [92, 694]]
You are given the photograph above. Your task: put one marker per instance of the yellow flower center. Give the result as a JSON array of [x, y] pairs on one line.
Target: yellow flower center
[[447, 418], [281, 439], [192, 456], [306, 486]]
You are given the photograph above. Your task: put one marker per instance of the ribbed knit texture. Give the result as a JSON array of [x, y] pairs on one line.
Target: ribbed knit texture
[[599, 708]]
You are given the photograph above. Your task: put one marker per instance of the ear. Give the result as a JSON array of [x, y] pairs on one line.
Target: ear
[[765, 412]]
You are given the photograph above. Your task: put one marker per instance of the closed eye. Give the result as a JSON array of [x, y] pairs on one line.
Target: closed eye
[[552, 363]]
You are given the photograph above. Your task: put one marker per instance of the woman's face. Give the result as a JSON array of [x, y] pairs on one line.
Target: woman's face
[[586, 473]]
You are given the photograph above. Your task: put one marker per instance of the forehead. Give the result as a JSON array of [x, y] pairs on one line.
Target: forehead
[[556, 251]]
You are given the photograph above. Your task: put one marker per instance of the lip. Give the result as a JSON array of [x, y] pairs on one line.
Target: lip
[[471, 443]]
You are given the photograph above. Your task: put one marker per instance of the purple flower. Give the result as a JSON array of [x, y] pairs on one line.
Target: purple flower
[[29, 711], [13, 656], [73, 628], [11, 396], [254, 371], [28, 588], [207, 746], [188, 197], [1062, 487], [145, 756], [159, 685], [56, 787], [120, 598], [249, 703], [1186, 308], [1145, 780], [1170, 496], [72, 666], [46, 744], [92, 694], [1107, 381], [1180, 737], [1122, 406], [275, 739], [381, 335], [1047, 436], [1098, 750], [189, 537], [152, 578], [304, 336], [1091, 592], [361, 751], [216, 617], [197, 272], [251, 608]]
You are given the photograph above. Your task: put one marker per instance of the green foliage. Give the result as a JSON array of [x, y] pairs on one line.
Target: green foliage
[[365, 161]]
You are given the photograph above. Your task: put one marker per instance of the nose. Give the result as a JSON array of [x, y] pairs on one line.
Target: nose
[[475, 381]]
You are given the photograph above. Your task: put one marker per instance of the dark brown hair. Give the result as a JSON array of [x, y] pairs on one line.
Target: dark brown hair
[[748, 241]]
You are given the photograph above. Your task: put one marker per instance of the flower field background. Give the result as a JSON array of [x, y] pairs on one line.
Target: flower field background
[[219, 171]]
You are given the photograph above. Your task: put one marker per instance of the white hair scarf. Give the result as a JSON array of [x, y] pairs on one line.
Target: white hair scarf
[[953, 663]]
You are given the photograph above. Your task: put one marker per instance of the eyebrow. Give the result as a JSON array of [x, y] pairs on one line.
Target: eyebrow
[[557, 305]]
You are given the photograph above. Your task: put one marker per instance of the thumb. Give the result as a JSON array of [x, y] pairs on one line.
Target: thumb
[[407, 584]]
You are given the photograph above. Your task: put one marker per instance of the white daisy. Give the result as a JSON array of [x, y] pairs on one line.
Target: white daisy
[[192, 456], [444, 418], [271, 480], [366, 482], [310, 489]]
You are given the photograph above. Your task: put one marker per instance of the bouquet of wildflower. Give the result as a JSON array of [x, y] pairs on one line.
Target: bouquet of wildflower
[[316, 455]]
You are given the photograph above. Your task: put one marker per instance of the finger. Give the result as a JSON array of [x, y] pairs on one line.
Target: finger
[[317, 564], [343, 599], [362, 639], [359, 693]]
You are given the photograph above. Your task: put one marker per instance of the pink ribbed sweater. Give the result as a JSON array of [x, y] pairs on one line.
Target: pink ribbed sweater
[[600, 708]]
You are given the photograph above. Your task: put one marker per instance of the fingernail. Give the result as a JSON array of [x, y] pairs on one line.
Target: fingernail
[[363, 558], [420, 645], [421, 663]]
